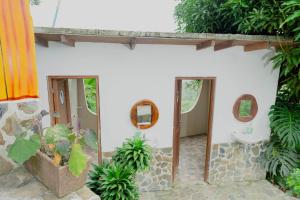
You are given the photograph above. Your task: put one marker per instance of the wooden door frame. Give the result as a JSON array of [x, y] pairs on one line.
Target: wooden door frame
[[176, 125], [51, 103]]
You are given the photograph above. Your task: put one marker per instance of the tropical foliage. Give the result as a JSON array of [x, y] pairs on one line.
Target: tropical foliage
[[293, 182], [118, 182], [135, 153], [280, 161], [285, 124], [116, 179]]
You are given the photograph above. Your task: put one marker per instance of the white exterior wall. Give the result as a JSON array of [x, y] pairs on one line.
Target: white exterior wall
[[148, 72]]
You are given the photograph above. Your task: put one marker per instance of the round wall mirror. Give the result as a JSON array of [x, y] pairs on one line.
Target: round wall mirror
[[245, 108], [144, 114]]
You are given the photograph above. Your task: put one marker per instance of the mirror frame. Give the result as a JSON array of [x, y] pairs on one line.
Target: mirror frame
[[254, 108]]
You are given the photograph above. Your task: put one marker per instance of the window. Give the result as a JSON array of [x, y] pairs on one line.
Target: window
[[191, 90], [90, 93]]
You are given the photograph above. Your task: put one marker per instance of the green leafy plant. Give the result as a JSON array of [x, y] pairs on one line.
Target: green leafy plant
[[285, 123], [293, 8], [199, 16], [90, 93], [280, 161], [23, 149], [59, 142], [95, 174], [293, 182], [113, 182], [66, 147], [135, 153]]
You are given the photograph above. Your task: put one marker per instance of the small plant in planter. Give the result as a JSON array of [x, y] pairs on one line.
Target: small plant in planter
[[56, 156], [66, 147]]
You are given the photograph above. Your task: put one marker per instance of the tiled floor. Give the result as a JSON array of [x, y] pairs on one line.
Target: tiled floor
[[191, 159], [259, 190]]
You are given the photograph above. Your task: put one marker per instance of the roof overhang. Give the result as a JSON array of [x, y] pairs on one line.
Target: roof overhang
[[69, 36]]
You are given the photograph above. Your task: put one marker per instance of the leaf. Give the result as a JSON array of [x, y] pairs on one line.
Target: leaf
[[56, 133], [285, 123], [78, 160], [90, 139], [63, 147], [23, 149]]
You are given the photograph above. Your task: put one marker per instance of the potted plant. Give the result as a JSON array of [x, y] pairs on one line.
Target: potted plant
[[56, 156]]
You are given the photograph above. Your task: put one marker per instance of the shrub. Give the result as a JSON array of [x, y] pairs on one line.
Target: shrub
[[293, 182], [135, 153], [113, 182]]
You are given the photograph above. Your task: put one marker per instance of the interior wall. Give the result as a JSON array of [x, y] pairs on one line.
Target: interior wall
[[73, 94], [149, 71], [195, 122], [87, 119]]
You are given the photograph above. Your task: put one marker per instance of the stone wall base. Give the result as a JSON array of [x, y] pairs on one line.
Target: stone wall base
[[159, 176], [232, 162]]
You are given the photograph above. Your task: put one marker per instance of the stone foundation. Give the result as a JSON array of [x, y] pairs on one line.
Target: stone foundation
[[14, 119], [236, 162], [159, 176]]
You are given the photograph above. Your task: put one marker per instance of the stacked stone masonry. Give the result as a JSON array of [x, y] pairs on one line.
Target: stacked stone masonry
[[233, 162]]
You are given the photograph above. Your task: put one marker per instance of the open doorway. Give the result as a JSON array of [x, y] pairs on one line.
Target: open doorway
[[74, 101], [194, 98]]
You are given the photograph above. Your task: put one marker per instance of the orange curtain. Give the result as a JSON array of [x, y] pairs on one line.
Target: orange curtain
[[18, 73]]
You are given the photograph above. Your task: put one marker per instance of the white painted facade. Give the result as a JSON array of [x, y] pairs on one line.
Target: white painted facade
[[149, 71]]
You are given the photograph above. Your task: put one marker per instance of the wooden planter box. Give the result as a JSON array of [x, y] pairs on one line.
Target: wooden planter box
[[57, 179]]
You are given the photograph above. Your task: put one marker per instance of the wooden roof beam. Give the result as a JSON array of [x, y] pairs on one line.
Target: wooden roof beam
[[224, 45], [256, 46], [205, 44], [132, 43], [67, 41], [42, 41]]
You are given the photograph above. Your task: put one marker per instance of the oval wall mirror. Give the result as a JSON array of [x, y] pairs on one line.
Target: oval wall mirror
[[245, 108], [144, 114]]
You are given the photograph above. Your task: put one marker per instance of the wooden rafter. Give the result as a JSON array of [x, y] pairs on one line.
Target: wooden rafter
[[41, 41], [256, 46], [224, 45], [205, 44], [132, 43], [67, 41]]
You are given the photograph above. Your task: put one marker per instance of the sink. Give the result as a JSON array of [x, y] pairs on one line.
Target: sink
[[246, 138]]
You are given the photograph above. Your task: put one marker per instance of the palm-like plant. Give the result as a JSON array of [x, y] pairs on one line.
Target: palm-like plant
[[135, 153], [293, 7], [285, 124], [118, 183], [95, 175]]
